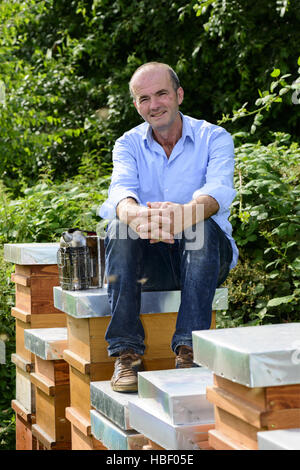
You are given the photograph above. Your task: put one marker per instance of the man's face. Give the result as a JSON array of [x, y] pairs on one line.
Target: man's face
[[155, 98]]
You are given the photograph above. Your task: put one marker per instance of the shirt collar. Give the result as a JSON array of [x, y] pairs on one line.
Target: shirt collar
[[187, 131]]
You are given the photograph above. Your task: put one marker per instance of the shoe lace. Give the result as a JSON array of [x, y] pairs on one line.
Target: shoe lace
[[126, 363]]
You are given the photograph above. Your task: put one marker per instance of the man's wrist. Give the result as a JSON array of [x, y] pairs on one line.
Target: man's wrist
[[202, 208], [122, 209]]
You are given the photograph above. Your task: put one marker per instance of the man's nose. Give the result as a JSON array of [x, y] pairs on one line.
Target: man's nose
[[154, 102]]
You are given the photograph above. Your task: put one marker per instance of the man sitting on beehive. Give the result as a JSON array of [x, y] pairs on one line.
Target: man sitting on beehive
[[169, 200]]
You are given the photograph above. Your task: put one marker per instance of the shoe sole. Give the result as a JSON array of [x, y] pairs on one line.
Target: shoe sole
[[186, 366], [124, 388]]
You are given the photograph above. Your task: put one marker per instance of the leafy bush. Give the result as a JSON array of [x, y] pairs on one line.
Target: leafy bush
[[30, 126], [47, 209], [65, 68], [265, 286]]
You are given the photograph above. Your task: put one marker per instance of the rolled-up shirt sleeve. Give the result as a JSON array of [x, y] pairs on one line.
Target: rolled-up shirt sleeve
[[124, 180], [220, 169]]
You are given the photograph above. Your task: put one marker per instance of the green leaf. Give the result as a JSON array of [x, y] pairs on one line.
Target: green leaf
[[273, 86], [280, 300], [259, 288], [263, 216], [289, 244], [275, 73], [283, 91]]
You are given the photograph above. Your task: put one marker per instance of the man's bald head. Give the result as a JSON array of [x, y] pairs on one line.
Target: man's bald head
[[154, 65]]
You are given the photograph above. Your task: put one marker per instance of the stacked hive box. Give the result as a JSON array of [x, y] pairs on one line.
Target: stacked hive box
[[81, 435], [35, 275], [256, 381], [87, 358], [51, 380], [172, 410], [88, 315], [110, 419]]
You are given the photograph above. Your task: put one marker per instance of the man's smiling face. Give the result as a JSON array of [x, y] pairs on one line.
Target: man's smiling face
[[155, 98]]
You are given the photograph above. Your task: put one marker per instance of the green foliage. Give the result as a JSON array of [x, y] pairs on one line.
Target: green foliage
[[43, 100], [47, 209], [250, 40], [266, 221], [65, 67], [7, 428], [267, 99], [7, 370]]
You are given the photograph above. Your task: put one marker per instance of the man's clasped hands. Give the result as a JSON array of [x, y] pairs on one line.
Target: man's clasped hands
[[159, 221]]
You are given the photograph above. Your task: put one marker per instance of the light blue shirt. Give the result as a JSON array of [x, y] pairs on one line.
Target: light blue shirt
[[202, 162]]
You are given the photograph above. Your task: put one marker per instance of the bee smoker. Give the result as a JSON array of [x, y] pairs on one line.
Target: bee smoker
[[80, 260], [73, 260], [96, 248]]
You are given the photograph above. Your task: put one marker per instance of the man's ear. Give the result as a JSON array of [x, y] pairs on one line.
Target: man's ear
[[180, 95]]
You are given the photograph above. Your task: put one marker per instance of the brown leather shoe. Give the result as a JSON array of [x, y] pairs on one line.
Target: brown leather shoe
[[127, 365], [184, 358]]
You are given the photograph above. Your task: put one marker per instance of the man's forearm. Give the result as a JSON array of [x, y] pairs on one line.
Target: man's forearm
[[199, 209]]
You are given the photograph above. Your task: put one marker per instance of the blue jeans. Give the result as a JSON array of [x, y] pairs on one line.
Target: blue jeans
[[197, 273]]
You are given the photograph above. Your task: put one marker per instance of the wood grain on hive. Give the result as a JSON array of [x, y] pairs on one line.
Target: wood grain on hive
[[35, 275], [256, 381], [51, 381]]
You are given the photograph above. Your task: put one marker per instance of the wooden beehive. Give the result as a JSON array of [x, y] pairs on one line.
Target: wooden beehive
[[85, 357], [256, 381], [242, 412], [52, 387], [35, 275], [87, 320]]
